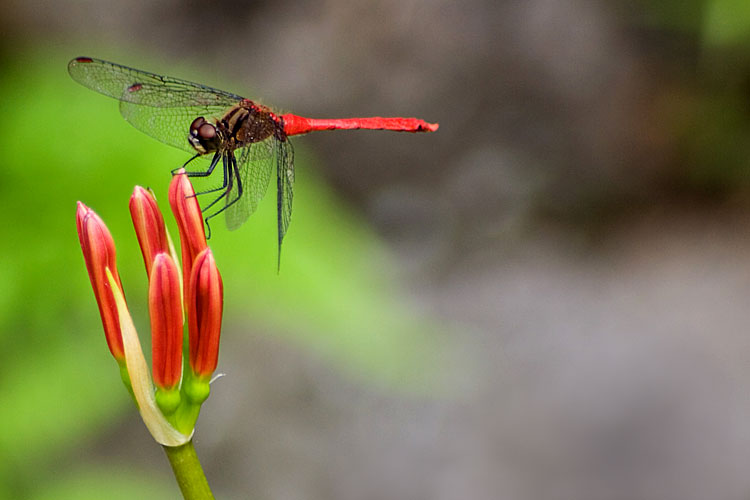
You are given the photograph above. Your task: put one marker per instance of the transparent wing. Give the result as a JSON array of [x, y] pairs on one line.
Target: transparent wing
[[254, 168], [168, 125], [144, 88], [285, 186], [160, 106]]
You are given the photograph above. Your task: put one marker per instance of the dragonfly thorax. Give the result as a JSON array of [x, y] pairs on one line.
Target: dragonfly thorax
[[248, 122], [241, 125]]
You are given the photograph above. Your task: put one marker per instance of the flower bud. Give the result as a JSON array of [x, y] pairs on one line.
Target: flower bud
[[149, 225], [99, 254], [165, 309], [204, 300], [189, 218]]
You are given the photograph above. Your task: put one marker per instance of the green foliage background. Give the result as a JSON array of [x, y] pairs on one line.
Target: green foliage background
[[59, 387]]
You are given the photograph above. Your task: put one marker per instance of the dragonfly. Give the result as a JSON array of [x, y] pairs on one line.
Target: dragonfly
[[246, 138]]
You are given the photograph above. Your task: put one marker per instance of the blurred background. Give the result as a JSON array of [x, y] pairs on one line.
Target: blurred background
[[546, 299]]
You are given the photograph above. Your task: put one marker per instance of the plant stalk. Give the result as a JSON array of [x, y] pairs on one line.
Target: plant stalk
[[188, 472]]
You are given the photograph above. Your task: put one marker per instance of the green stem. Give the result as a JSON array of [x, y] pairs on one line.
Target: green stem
[[188, 472]]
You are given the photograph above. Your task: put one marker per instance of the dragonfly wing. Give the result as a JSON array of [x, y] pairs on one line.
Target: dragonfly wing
[[254, 167], [161, 106], [168, 125], [285, 186], [141, 87]]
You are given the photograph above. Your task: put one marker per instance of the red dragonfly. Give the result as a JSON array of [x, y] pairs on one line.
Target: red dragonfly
[[246, 137]]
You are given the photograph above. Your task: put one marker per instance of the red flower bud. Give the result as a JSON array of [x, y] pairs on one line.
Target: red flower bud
[[189, 218], [149, 225], [204, 302], [165, 309], [99, 254]]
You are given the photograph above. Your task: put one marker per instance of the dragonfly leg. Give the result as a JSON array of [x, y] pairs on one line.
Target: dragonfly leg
[[223, 187], [226, 187], [201, 173], [174, 170], [235, 169], [228, 161], [232, 175]]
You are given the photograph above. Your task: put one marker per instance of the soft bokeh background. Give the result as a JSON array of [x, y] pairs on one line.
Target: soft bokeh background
[[546, 299]]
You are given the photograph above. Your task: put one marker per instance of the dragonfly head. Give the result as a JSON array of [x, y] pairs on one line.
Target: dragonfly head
[[203, 136]]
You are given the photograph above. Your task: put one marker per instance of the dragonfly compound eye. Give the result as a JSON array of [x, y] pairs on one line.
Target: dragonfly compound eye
[[203, 136], [207, 132], [196, 124]]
